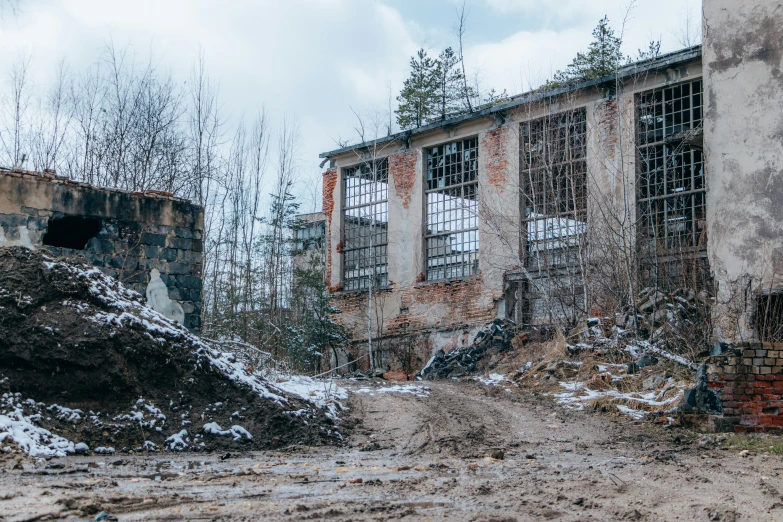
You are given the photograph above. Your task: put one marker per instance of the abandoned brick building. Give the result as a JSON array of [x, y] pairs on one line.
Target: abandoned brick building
[[126, 234], [542, 208]]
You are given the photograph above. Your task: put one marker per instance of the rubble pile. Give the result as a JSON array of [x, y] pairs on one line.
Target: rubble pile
[[625, 363], [658, 315], [498, 336], [84, 364]]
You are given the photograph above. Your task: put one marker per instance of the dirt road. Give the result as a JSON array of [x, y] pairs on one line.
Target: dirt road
[[424, 456]]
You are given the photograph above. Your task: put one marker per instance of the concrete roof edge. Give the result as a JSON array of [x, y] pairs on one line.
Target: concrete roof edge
[[52, 177], [662, 62]]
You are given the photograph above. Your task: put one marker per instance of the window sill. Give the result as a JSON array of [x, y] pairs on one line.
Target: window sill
[[384, 289], [424, 284]]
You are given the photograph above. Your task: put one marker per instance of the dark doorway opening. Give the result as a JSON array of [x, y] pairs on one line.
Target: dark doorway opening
[[71, 232]]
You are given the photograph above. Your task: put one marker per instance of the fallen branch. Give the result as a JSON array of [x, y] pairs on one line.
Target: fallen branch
[[672, 357]]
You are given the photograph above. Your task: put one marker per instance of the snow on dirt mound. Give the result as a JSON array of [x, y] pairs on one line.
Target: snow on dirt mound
[[83, 361]]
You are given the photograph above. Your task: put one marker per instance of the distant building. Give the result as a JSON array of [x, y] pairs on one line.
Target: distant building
[[310, 240], [546, 207]]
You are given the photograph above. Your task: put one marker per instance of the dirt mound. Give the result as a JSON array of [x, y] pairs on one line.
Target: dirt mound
[[82, 358]]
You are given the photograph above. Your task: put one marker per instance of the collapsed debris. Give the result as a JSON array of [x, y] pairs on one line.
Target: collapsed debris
[[83, 363], [671, 317], [497, 336]]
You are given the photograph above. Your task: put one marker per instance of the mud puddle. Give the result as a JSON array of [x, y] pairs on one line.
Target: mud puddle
[[417, 457]]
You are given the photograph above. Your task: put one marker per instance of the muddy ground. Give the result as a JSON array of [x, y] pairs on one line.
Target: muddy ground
[[416, 457]]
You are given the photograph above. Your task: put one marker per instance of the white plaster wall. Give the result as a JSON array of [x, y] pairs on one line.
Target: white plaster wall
[[743, 87], [499, 219]]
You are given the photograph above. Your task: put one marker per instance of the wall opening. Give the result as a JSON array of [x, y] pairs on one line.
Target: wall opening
[[451, 237], [71, 232], [365, 225], [769, 317]]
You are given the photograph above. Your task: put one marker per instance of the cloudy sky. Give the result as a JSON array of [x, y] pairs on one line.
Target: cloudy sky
[[315, 60]]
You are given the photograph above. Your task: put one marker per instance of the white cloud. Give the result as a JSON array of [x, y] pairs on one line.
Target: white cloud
[[314, 59]]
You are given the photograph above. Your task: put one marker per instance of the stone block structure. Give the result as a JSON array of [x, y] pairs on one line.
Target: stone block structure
[[125, 234]]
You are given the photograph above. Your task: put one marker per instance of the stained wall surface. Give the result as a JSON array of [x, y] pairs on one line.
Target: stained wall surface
[[743, 138], [134, 232]]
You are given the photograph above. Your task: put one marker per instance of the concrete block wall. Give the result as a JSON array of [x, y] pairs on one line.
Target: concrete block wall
[[749, 382], [138, 232]]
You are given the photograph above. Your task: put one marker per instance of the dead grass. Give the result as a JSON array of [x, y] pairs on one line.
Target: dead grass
[[603, 404], [756, 443]]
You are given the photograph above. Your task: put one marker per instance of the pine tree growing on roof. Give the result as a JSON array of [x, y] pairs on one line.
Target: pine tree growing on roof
[[418, 100], [602, 58]]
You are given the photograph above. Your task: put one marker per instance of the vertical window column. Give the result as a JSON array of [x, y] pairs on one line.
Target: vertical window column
[[554, 176], [365, 226], [451, 238], [671, 190]]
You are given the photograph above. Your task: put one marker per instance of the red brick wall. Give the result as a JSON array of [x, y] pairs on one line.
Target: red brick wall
[[329, 184], [749, 383], [402, 171], [606, 120], [461, 301], [493, 149]]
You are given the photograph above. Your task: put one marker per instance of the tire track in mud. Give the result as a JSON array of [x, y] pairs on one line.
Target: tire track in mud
[[458, 424], [453, 420]]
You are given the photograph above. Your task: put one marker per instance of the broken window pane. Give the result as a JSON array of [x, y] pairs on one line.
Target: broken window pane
[[365, 225], [553, 175], [554, 187], [451, 239], [670, 186]]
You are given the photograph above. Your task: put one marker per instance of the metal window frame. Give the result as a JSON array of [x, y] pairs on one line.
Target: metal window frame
[[654, 185], [377, 251], [541, 172], [468, 265]]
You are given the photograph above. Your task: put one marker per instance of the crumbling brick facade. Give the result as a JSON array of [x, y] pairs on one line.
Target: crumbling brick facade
[[544, 209], [330, 179], [125, 234], [749, 382], [403, 173]]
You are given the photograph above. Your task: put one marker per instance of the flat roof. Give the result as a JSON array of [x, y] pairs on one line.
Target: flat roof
[[50, 176], [662, 62]]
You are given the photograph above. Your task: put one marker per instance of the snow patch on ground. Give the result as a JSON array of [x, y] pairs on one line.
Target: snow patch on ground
[[494, 379], [179, 441], [413, 389], [578, 395], [324, 394], [238, 432], [35, 441]]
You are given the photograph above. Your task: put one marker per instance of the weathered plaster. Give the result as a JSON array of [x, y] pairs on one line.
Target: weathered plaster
[[743, 87], [158, 299]]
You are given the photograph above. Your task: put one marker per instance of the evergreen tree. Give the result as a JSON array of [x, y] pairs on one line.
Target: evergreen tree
[[418, 100], [602, 58], [313, 334], [448, 75], [494, 98], [653, 51]]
